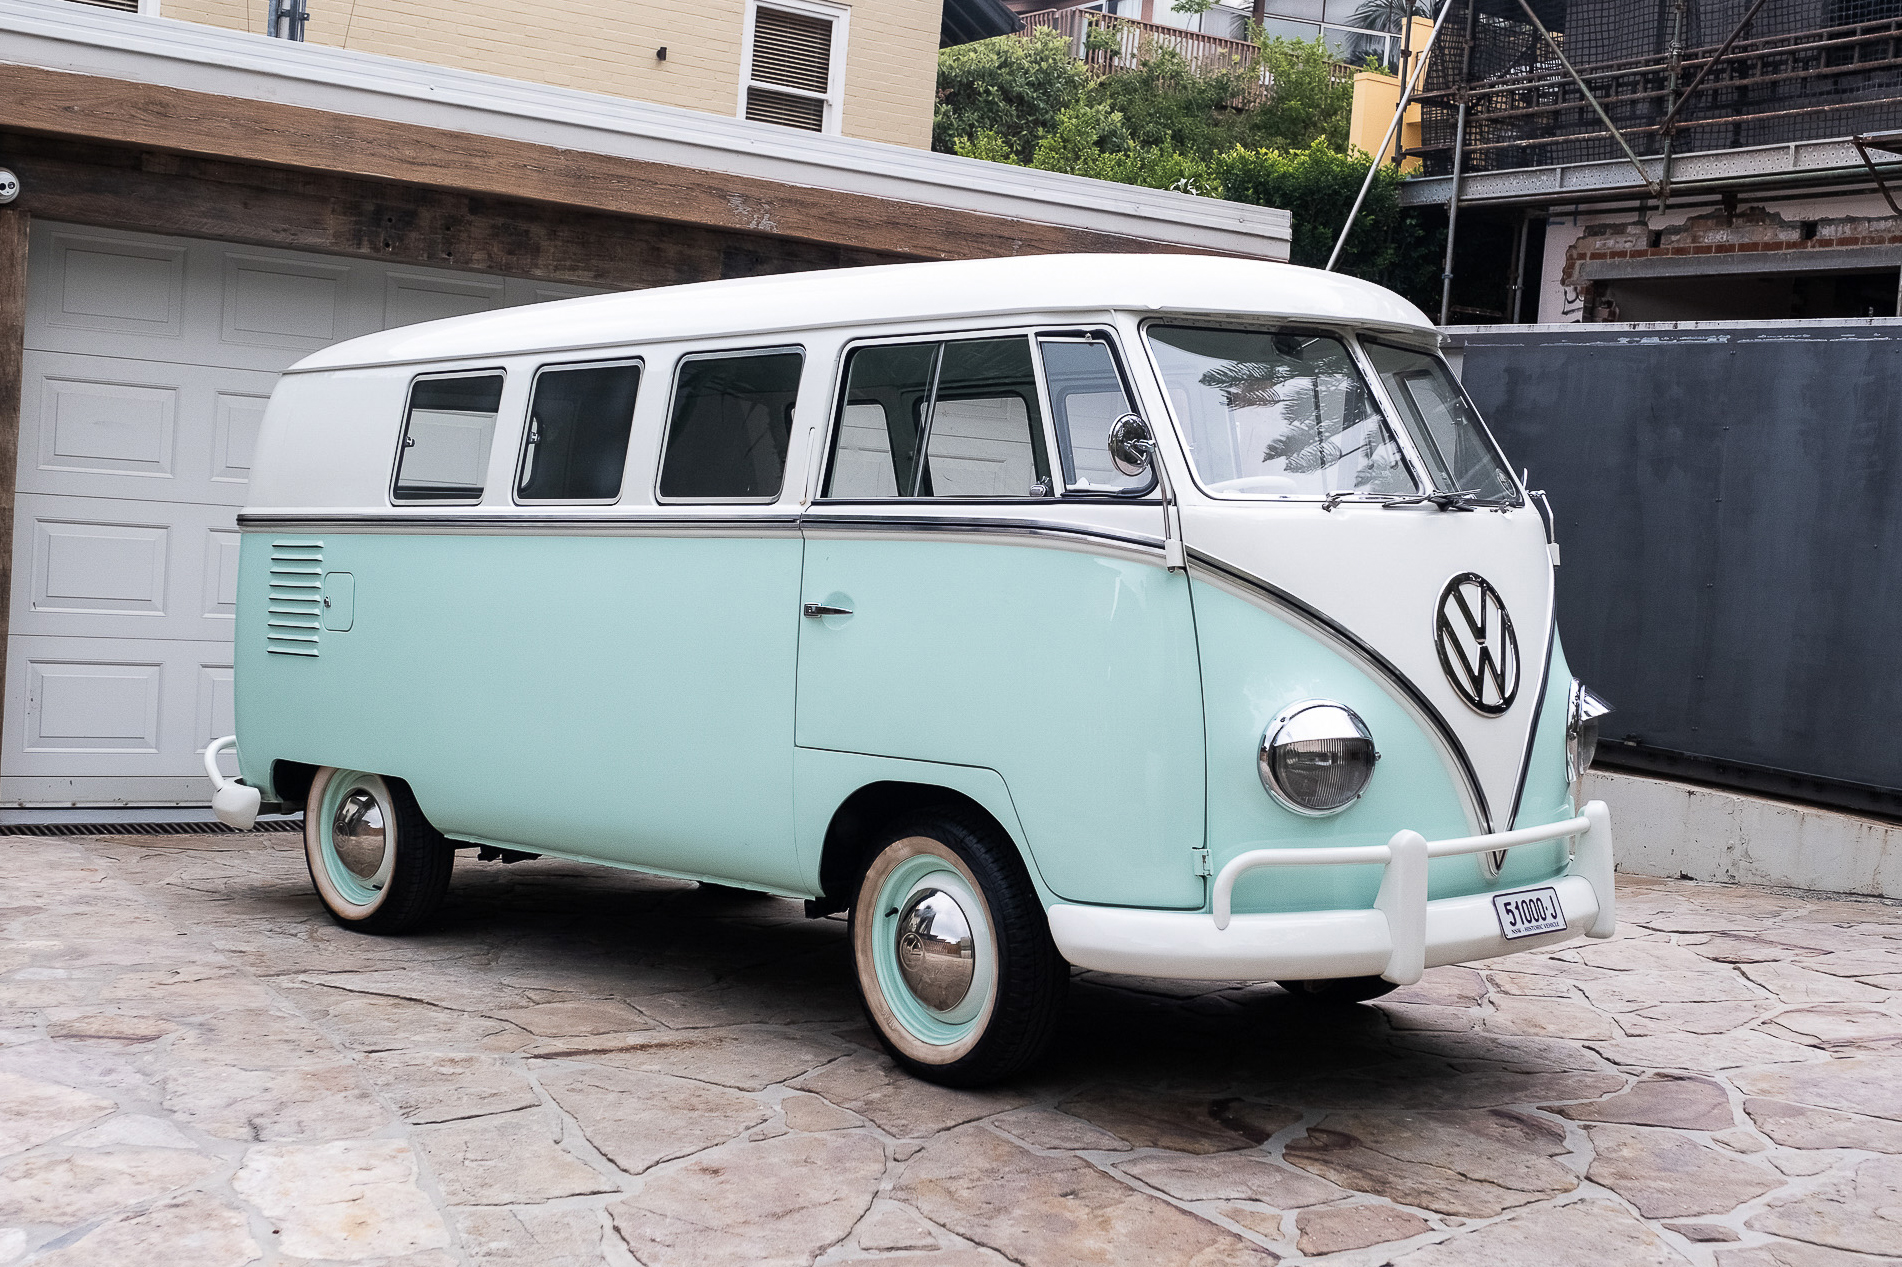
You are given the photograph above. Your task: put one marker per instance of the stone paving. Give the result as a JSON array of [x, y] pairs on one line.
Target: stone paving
[[580, 1066]]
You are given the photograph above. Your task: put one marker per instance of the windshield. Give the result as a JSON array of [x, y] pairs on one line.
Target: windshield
[[1458, 453], [1277, 414]]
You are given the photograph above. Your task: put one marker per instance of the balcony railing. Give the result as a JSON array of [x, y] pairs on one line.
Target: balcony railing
[[1204, 53]]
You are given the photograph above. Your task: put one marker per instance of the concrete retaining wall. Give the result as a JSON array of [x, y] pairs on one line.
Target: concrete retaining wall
[[1676, 829]]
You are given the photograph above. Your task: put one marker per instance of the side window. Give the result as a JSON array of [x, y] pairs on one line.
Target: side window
[[1087, 395], [969, 407], [731, 420], [886, 390], [575, 447], [444, 456]]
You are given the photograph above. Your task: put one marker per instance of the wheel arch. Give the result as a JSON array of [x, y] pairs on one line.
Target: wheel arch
[[290, 782], [852, 833]]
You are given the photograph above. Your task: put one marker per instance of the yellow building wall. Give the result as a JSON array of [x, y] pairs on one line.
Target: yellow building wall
[[1377, 96], [891, 60]]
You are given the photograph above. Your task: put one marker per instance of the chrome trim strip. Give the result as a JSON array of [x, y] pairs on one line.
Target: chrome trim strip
[[683, 525], [693, 525], [858, 524], [1449, 740], [1538, 711]]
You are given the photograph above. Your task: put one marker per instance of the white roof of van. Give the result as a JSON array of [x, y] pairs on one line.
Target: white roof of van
[[889, 293]]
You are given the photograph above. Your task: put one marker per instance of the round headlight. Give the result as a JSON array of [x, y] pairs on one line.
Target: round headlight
[[1316, 757], [1581, 729]]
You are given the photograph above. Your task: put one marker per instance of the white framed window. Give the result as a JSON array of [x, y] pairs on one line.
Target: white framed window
[[793, 59]]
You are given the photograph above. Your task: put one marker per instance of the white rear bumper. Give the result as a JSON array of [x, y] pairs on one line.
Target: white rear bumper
[[1398, 939]]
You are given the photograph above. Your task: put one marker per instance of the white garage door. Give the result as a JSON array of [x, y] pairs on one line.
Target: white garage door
[[148, 362]]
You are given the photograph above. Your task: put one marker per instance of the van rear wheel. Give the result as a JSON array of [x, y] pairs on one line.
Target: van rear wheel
[[376, 862], [955, 964]]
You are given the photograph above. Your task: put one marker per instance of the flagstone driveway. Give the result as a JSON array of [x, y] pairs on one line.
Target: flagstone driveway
[[579, 1066]]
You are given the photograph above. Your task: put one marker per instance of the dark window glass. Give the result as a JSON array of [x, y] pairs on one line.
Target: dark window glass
[[445, 452], [1086, 397], [578, 422], [886, 389], [969, 406], [1446, 430], [731, 422]]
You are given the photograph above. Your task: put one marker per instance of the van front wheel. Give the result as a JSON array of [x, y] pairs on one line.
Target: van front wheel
[[955, 964], [374, 859]]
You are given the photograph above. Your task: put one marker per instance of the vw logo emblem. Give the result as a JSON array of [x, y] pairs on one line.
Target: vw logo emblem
[[1477, 648]]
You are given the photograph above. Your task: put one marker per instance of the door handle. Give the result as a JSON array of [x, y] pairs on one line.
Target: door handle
[[818, 611]]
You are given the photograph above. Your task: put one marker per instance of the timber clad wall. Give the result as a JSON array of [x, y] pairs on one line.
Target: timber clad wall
[[890, 66]]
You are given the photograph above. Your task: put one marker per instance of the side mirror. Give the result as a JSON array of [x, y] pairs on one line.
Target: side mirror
[[1131, 445]]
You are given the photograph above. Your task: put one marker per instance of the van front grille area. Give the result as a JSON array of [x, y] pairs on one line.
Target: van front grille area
[[295, 609]]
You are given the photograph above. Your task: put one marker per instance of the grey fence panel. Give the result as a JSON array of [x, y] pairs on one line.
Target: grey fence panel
[[1729, 507]]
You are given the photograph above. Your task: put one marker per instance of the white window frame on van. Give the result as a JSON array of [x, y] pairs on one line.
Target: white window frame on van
[[528, 419], [667, 424], [402, 434], [840, 17], [833, 419]]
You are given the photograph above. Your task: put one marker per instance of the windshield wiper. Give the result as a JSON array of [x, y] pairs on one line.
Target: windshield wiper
[[1336, 498], [1457, 499]]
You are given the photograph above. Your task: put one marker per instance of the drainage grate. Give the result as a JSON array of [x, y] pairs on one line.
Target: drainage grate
[[212, 828]]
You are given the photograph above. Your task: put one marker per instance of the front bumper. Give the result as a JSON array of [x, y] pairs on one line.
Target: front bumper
[[1399, 938]]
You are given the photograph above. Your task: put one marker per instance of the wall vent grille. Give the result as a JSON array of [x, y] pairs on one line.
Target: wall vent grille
[[791, 51], [296, 599]]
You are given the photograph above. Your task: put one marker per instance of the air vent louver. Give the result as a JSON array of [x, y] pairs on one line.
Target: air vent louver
[[790, 51], [296, 601], [764, 106]]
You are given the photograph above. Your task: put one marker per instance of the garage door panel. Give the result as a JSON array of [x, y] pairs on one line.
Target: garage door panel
[[218, 583], [92, 706], [84, 565], [95, 707], [525, 290], [236, 417], [94, 567], [283, 303], [95, 281], [97, 426], [410, 297]]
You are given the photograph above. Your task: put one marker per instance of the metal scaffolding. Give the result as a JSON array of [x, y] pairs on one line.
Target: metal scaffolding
[[1551, 82]]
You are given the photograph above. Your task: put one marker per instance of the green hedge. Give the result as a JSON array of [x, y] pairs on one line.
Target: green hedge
[[1163, 124]]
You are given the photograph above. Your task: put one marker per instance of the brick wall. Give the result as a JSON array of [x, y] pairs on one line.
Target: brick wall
[[1751, 230], [890, 69]]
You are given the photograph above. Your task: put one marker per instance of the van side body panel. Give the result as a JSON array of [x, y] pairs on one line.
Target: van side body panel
[[1072, 674], [621, 697]]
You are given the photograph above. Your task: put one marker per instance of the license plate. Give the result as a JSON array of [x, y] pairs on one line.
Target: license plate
[[1529, 912]]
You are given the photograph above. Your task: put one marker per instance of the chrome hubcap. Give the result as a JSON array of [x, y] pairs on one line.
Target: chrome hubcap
[[360, 837], [937, 955]]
